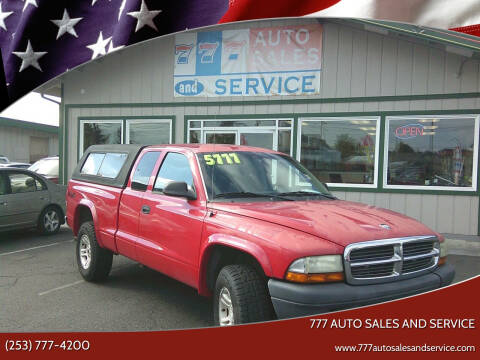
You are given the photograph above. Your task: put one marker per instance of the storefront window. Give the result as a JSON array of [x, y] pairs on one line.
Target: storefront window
[[129, 131], [148, 132], [101, 132], [431, 151], [340, 150]]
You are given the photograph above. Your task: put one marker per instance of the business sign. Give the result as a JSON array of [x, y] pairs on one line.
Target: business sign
[[409, 131], [283, 60]]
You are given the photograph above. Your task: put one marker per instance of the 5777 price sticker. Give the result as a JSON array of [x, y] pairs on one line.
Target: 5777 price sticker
[[221, 159]]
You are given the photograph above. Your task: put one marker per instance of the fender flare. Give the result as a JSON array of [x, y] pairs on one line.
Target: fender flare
[[89, 204], [233, 242]]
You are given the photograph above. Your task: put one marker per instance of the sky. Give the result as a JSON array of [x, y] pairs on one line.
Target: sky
[[32, 107]]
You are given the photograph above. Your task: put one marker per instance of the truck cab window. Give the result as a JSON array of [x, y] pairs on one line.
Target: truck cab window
[[175, 167], [144, 170], [112, 165]]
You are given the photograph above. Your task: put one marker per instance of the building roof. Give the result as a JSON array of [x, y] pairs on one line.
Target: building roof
[[447, 37], [28, 125]]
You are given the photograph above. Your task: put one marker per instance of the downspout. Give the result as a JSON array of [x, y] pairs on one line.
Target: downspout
[[60, 134]]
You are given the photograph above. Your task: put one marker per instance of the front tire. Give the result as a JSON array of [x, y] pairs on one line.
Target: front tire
[[94, 262], [241, 296]]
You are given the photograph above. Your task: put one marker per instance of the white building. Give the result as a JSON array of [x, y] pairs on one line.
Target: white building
[[385, 113], [23, 141]]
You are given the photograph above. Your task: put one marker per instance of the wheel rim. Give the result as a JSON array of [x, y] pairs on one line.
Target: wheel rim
[[85, 251], [51, 221], [225, 308]]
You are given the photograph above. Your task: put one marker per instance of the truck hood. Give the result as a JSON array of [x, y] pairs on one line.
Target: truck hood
[[338, 221]]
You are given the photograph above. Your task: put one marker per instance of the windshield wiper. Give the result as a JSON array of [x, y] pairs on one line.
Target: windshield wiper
[[246, 194], [306, 193]]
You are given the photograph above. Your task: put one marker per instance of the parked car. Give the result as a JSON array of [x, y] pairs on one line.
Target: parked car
[[251, 227], [16, 165], [48, 167], [29, 200], [5, 162]]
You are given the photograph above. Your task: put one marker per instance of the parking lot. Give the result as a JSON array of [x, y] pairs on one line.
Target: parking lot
[[41, 290]]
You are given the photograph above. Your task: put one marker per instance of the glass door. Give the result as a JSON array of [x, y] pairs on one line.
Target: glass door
[[249, 137], [220, 137], [259, 138]]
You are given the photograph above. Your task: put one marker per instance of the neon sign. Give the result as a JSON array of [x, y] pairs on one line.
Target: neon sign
[[409, 131]]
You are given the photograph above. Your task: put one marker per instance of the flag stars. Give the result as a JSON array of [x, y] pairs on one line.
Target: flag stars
[[145, 17], [94, 1], [66, 25], [29, 2], [3, 16], [29, 57], [99, 48]]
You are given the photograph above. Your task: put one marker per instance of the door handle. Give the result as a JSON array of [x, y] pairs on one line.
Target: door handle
[[146, 209]]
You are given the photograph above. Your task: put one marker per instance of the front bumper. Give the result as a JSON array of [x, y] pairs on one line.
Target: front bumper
[[291, 299]]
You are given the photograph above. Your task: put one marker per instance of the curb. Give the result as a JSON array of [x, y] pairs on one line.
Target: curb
[[463, 247]]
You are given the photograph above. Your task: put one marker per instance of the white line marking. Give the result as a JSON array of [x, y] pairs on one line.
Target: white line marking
[[34, 248], [61, 287]]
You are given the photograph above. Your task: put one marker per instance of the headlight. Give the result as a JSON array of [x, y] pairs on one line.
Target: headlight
[[443, 253], [443, 249], [311, 269]]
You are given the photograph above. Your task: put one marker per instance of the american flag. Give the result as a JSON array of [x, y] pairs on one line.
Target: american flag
[[40, 39]]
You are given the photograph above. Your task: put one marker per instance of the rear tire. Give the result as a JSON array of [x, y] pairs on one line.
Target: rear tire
[[94, 262], [241, 296], [49, 221]]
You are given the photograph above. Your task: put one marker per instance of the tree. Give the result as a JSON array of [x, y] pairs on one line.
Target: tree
[[404, 148], [346, 145]]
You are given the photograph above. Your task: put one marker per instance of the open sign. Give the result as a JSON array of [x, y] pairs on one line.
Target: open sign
[[409, 131]]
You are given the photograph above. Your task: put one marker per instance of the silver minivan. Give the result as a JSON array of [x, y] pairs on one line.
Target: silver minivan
[[29, 200]]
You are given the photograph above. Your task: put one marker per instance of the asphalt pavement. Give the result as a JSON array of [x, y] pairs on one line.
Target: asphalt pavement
[[41, 290]]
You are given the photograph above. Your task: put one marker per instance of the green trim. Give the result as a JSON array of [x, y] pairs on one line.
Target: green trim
[[185, 129], [28, 125], [61, 121], [381, 151], [239, 116], [65, 168], [129, 117], [478, 187], [174, 124], [466, 95], [295, 136]]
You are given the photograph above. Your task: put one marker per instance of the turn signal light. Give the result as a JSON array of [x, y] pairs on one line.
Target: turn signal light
[[442, 261], [314, 278]]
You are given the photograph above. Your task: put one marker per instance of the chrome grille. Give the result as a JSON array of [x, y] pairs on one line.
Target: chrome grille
[[390, 259]]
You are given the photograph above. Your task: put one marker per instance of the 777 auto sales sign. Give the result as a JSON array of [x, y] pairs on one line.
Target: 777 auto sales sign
[[283, 60]]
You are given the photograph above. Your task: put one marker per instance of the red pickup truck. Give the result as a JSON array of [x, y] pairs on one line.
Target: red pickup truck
[[251, 227]]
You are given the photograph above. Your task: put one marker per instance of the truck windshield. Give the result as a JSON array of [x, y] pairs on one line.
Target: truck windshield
[[247, 175]]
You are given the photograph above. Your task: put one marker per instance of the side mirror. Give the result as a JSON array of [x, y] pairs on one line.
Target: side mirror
[[179, 189]]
